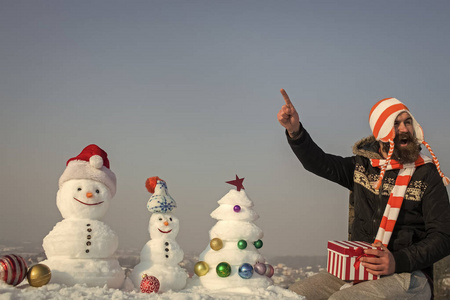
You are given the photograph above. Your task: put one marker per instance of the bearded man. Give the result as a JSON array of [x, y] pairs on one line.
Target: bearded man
[[400, 201]]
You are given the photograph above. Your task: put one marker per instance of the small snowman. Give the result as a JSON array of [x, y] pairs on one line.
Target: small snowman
[[160, 257], [80, 248]]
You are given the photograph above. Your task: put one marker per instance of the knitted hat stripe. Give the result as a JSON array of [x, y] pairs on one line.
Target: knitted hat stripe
[[385, 127], [381, 106], [376, 105]]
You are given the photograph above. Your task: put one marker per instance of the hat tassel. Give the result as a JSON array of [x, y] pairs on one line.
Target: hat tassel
[[445, 179], [377, 185]]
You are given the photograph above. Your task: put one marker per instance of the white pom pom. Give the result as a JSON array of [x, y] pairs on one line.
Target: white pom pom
[[96, 161]]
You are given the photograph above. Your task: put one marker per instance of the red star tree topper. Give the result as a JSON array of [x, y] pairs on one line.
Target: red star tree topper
[[237, 182]]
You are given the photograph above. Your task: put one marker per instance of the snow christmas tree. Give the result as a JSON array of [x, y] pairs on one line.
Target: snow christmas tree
[[232, 258]]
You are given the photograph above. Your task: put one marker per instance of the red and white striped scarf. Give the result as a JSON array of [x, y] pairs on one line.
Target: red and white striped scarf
[[398, 193]]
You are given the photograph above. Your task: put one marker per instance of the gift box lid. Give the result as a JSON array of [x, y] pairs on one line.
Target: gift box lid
[[349, 247]]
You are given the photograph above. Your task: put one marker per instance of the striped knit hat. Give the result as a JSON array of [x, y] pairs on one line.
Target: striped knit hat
[[382, 118]]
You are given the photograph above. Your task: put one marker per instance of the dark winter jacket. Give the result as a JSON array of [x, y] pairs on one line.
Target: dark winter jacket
[[422, 232]]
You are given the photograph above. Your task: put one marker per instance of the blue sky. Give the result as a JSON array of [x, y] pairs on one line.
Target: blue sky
[[189, 91]]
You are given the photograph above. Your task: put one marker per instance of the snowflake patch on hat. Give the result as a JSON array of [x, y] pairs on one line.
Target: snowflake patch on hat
[[160, 201]]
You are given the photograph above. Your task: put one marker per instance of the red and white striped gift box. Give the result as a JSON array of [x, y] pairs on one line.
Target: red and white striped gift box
[[342, 259]]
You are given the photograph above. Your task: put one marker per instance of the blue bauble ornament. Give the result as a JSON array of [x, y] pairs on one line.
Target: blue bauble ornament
[[246, 271]]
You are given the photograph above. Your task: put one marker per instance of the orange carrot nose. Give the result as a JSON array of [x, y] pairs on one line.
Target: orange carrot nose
[[166, 223], [89, 195]]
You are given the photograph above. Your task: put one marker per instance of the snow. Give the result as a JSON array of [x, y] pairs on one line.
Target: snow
[[194, 290], [80, 251], [80, 248]]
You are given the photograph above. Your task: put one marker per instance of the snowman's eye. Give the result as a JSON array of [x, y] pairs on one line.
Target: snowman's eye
[[170, 219], [160, 219], [97, 191], [79, 189]]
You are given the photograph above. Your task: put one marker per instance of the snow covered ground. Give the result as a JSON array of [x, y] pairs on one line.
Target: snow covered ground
[[287, 270], [193, 291]]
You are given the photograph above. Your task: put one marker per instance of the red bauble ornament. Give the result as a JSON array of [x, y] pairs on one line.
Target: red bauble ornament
[[149, 284], [13, 269]]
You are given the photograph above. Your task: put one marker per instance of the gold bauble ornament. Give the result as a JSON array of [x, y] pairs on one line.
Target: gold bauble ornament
[[216, 244], [201, 268], [39, 275]]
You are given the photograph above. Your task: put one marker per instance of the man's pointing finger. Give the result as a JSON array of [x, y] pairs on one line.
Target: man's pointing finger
[[286, 97]]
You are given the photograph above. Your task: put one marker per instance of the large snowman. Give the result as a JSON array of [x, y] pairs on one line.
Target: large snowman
[[80, 248], [161, 255]]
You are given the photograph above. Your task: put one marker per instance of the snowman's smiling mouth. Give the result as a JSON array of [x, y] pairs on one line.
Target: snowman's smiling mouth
[[88, 203], [162, 231]]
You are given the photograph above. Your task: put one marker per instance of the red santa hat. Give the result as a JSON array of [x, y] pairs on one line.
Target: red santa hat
[[382, 119], [92, 163]]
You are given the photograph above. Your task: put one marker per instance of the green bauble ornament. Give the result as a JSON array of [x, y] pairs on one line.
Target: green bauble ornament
[[242, 244], [258, 244], [223, 269]]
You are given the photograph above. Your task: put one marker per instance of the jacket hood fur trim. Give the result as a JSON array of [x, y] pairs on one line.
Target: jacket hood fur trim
[[367, 147]]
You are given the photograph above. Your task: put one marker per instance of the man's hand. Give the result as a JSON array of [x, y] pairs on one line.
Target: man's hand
[[382, 264], [288, 116]]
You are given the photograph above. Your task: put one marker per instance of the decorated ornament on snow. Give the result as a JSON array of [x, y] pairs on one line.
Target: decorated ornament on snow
[[201, 268], [260, 268], [160, 201], [39, 275], [13, 269], [223, 269], [245, 271], [258, 244], [242, 244], [269, 270], [149, 284], [216, 244]]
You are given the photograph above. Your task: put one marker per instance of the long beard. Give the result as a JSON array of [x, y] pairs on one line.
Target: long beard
[[407, 154]]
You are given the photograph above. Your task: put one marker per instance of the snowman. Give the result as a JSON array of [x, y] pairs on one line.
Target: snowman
[[160, 257], [80, 248]]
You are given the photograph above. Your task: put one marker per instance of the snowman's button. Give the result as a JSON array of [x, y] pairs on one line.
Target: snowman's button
[[167, 256], [88, 237], [87, 250], [167, 249], [166, 243], [89, 229], [88, 243], [88, 225]]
